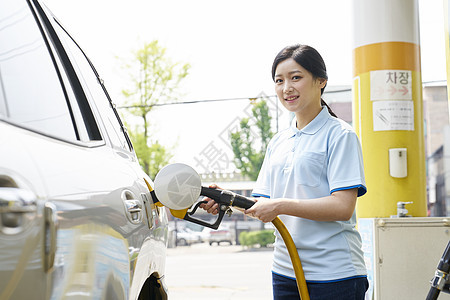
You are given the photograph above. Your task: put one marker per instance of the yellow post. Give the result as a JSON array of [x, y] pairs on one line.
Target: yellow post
[[447, 128], [387, 106], [447, 47]]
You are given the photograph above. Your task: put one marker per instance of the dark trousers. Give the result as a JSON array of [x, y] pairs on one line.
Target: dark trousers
[[285, 288]]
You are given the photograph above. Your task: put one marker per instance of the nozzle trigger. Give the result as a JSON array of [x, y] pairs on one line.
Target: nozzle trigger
[[214, 225]]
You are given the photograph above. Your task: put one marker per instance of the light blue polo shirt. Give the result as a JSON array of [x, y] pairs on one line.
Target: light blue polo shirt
[[323, 157]]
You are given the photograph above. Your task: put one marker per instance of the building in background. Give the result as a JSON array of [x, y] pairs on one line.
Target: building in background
[[436, 120], [436, 115], [339, 98]]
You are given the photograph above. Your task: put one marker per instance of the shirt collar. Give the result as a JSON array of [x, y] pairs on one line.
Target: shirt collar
[[312, 126]]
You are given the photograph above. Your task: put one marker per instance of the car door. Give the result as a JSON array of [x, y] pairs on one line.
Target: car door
[[152, 259], [23, 269], [130, 219], [27, 231]]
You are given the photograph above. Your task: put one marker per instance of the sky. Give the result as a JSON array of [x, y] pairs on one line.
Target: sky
[[230, 46]]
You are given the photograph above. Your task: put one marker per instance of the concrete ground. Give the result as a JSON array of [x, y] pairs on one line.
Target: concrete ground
[[222, 272]]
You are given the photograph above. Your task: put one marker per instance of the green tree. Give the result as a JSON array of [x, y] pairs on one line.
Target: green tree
[[152, 156], [155, 79], [248, 158]]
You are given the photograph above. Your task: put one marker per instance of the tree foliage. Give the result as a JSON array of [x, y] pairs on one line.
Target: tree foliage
[[155, 79], [248, 157], [261, 237], [152, 156]]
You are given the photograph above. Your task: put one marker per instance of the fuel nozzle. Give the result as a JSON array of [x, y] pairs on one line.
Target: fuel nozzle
[[178, 187], [225, 199]]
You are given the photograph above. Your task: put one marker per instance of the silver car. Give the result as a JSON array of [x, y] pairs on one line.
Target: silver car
[[77, 220], [222, 234]]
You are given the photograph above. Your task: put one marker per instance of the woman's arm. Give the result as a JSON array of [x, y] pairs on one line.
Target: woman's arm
[[339, 206]]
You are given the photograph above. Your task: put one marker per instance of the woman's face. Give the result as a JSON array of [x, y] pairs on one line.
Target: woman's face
[[296, 88]]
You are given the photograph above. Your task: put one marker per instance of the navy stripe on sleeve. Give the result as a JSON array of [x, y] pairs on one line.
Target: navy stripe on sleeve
[[260, 195], [361, 189]]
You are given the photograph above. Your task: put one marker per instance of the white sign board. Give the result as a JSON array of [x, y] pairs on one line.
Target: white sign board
[[393, 115], [390, 85]]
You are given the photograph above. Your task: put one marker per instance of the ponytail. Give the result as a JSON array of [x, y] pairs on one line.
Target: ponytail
[[323, 103]]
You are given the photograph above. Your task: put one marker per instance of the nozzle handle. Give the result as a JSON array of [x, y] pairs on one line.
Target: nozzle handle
[[212, 193], [242, 201], [227, 197]]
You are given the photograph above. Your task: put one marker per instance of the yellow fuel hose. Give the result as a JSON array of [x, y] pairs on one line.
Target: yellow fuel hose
[[296, 263]]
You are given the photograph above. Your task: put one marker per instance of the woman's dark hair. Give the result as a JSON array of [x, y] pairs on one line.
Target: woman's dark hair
[[309, 58]]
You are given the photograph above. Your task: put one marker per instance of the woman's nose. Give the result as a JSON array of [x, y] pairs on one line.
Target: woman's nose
[[287, 88]]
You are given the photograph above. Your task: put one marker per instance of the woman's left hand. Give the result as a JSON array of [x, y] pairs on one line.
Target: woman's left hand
[[263, 209]]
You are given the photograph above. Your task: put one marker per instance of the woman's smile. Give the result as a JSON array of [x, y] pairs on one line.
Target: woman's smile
[[291, 98]]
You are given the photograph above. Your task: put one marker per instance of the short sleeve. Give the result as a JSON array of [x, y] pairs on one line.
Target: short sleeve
[[262, 186], [345, 164]]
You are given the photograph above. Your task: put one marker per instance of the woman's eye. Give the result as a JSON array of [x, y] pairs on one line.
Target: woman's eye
[[296, 77], [278, 81]]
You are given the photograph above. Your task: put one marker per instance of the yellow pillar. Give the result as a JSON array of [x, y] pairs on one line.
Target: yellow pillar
[[447, 128], [387, 106], [447, 47]]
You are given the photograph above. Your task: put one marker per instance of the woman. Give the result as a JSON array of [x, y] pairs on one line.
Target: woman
[[311, 177]]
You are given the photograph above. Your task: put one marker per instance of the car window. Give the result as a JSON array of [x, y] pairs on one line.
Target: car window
[[97, 93], [30, 89]]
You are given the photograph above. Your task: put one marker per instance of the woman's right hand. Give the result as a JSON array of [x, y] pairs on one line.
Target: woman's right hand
[[211, 206]]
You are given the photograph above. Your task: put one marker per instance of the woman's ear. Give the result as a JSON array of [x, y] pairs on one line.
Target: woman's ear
[[322, 82]]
